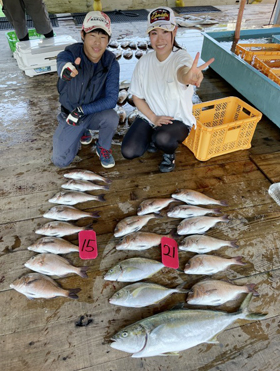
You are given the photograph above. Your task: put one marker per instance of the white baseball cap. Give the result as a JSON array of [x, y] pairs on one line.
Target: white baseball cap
[[161, 17], [96, 19]]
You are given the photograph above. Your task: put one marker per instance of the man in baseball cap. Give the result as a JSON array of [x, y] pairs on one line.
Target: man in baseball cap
[[88, 89], [94, 20]]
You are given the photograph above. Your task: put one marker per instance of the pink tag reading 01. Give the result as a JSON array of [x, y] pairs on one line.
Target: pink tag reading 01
[[169, 253], [87, 245]]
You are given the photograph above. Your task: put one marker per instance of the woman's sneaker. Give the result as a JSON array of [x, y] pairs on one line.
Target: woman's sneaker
[[106, 157], [168, 163], [86, 138]]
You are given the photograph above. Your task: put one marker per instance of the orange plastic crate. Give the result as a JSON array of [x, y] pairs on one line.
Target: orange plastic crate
[[248, 51], [274, 75], [223, 126], [264, 63]]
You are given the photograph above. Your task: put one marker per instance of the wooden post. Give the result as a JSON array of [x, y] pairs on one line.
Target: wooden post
[[238, 25]]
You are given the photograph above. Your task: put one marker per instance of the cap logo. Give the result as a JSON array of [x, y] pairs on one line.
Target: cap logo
[[99, 19], [160, 15]]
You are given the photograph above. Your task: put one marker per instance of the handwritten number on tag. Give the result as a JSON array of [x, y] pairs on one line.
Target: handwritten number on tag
[[87, 245], [169, 252]]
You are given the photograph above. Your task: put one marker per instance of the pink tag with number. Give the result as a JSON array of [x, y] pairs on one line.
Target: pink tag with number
[[87, 245], [169, 252]]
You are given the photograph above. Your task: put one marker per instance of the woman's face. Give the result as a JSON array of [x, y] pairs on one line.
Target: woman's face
[[162, 42]]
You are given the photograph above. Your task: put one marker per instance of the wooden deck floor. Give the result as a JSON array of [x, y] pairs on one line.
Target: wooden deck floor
[[43, 334]]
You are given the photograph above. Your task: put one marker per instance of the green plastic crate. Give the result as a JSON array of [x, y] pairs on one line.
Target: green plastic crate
[[12, 37]]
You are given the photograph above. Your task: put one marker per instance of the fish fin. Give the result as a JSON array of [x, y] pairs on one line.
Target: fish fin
[[251, 288], [233, 244], [238, 260], [246, 313], [213, 340], [83, 272], [72, 293], [173, 233], [178, 306], [157, 215], [95, 214], [88, 227], [169, 354], [101, 198]]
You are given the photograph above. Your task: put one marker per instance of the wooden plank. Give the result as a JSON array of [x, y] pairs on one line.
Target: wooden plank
[[269, 164]]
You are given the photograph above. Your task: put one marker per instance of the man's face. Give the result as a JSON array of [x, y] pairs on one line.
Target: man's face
[[95, 44]]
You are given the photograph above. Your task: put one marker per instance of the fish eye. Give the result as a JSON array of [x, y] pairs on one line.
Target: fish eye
[[124, 334]]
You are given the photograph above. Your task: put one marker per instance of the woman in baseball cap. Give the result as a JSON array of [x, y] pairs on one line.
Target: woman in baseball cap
[[162, 86]]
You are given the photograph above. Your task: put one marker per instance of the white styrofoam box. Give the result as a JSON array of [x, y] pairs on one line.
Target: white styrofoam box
[[39, 55]]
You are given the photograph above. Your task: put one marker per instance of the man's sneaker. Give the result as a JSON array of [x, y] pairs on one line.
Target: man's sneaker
[[86, 138], [106, 157], [168, 163]]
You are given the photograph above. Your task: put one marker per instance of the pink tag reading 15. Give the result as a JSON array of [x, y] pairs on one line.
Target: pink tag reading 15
[[87, 245], [169, 252]]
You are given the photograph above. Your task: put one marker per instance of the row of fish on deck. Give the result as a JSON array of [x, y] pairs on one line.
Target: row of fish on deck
[[48, 262], [172, 331], [166, 332]]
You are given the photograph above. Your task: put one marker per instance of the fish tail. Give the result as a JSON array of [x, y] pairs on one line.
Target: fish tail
[[244, 309], [238, 260], [173, 233], [251, 288], [72, 293], [83, 272], [101, 198], [157, 215], [106, 187], [225, 218], [107, 181], [181, 289], [217, 211], [233, 244], [95, 214], [88, 227], [223, 203]]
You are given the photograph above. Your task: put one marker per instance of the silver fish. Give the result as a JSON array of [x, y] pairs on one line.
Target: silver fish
[[153, 205], [122, 96], [113, 44], [215, 292], [142, 45], [74, 197], [199, 224], [54, 245], [176, 330], [202, 244], [140, 241], [132, 224], [133, 45], [142, 294], [139, 54], [210, 264], [187, 211], [60, 229], [83, 185], [133, 269], [54, 265], [128, 54], [35, 286], [132, 116], [86, 175], [122, 115], [196, 198], [117, 52], [65, 213], [124, 44], [130, 100]]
